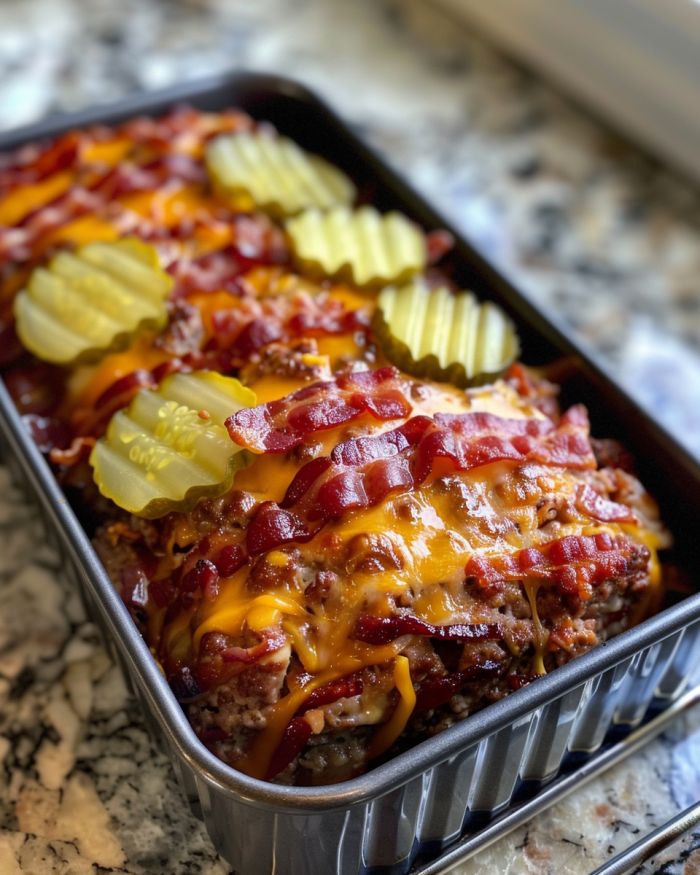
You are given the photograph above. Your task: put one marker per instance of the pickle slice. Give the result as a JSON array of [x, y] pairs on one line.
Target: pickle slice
[[92, 301], [360, 246], [444, 335], [275, 174], [169, 448]]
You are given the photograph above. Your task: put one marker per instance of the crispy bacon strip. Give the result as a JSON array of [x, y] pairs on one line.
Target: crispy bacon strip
[[382, 630], [593, 504], [272, 641], [342, 688], [298, 730], [480, 438], [435, 692], [361, 472], [304, 479], [271, 526], [279, 426], [295, 737], [575, 563]]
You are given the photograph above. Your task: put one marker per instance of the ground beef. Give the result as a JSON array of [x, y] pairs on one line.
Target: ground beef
[[329, 758], [239, 703], [116, 553], [299, 360], [185, 331]]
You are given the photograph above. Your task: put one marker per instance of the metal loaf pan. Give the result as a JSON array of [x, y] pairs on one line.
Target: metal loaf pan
[[413, 806]]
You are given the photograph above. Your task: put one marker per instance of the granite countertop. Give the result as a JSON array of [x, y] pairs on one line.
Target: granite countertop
[[591, 229]]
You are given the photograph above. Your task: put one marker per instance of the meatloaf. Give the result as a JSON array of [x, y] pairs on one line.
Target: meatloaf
[[393, 552]]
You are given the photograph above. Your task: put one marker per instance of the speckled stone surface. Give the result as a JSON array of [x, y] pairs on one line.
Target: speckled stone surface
[[591, 229]]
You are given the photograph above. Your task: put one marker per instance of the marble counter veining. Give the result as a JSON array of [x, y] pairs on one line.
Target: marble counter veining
[[589, 227]]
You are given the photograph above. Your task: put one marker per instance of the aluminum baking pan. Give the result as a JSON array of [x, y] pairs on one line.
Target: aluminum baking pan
[[413, 806]]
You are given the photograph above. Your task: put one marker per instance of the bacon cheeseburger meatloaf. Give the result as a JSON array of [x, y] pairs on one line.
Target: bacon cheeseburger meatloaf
[[339, 512]]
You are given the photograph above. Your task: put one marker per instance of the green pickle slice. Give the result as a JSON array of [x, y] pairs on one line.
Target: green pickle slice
[[92, 301], [275, 174], [360, 246], [443, 335], [170, 448]]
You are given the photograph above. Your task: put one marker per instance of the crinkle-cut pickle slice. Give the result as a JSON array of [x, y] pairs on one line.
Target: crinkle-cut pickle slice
[[169, 448], [360, 246], [92, 301], [275, 174], [444, 335]]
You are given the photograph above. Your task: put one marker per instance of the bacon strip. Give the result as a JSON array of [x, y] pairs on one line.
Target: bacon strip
[[575, 563], [382, 630], [298, 730], [272, 641], [279, 426], [480, 438], [342, 688], [295, 737], [593, 504], [435, 692], [271, 527], [361, 472]]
